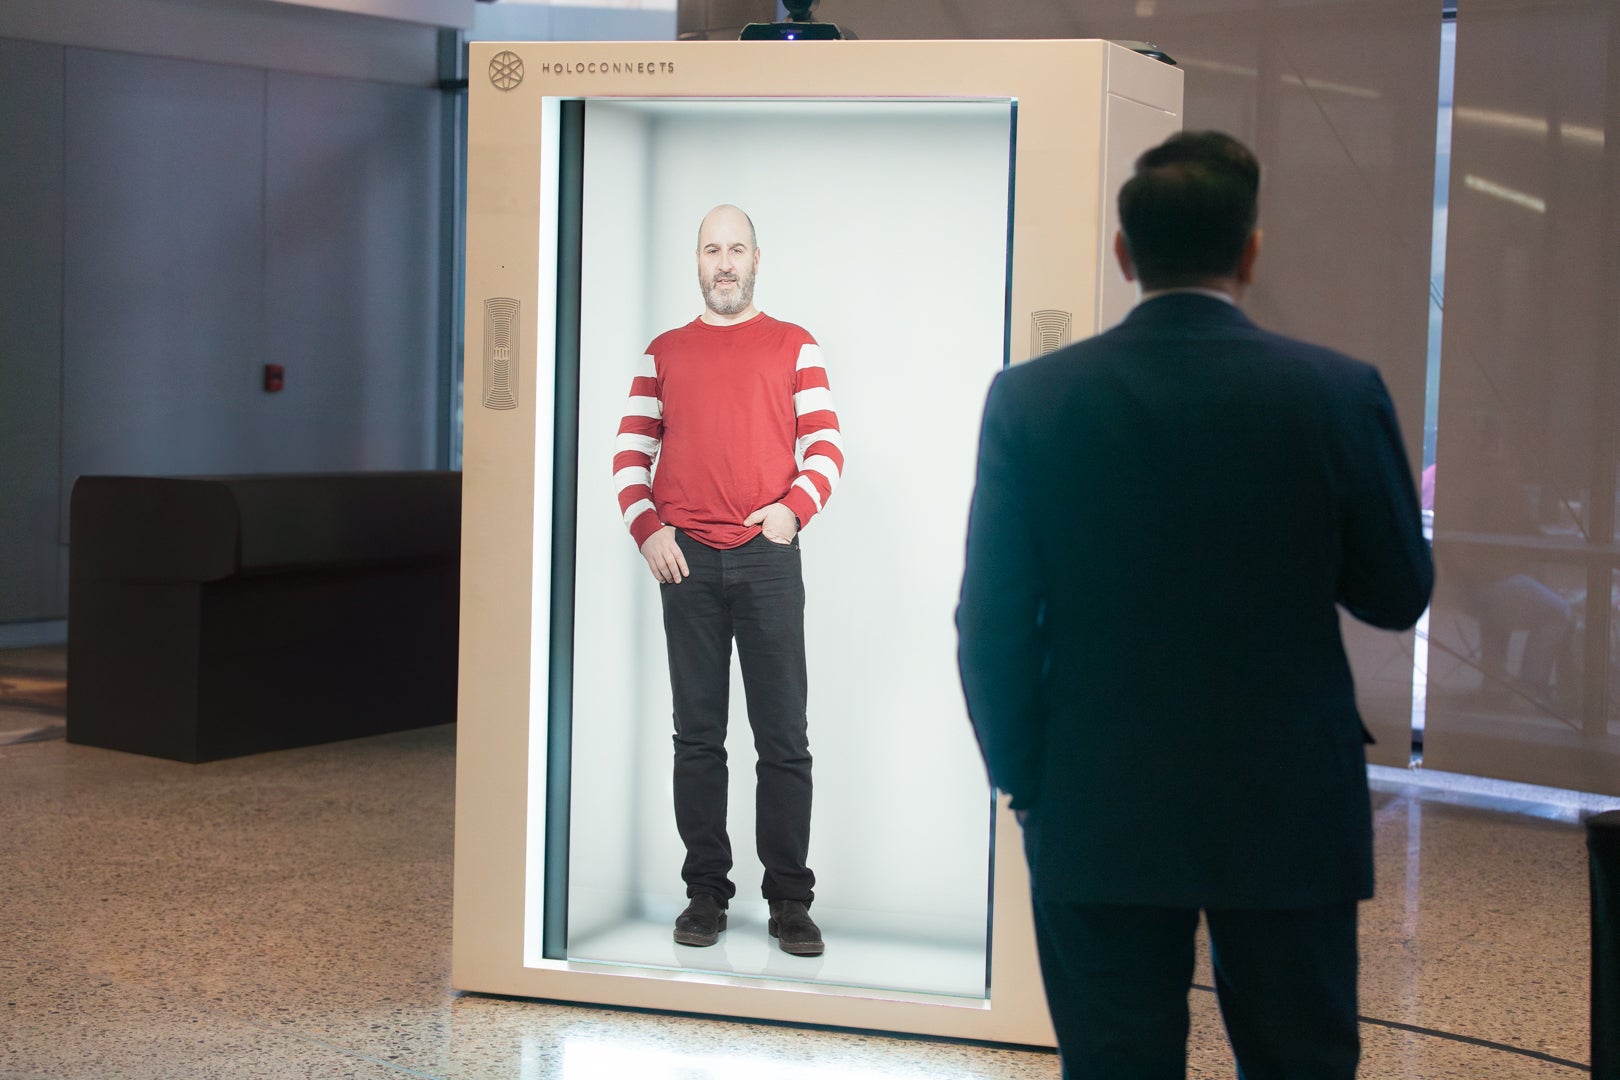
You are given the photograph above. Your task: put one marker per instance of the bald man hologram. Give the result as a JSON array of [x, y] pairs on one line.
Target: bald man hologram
[[728, 447]]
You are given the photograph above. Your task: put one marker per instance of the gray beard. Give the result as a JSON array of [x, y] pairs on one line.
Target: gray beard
[[738, 303]]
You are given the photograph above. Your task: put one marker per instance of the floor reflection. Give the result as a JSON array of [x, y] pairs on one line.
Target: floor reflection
[[595, 1058], [745, 948]]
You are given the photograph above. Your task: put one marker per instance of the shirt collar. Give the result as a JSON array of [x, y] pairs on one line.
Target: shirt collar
[[1216, 294]]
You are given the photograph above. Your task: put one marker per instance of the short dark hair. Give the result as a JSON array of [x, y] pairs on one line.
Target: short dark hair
[[1190, 208]]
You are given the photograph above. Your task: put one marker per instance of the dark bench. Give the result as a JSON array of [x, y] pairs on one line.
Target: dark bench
[[215, 616]]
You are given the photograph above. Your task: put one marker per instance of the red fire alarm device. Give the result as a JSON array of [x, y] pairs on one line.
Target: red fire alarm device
[[273, 378]]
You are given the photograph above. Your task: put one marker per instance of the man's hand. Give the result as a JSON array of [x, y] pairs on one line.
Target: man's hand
[[776, 521], [664, 556]]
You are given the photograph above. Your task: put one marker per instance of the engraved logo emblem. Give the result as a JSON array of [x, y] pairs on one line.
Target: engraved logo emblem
[[506, 71]]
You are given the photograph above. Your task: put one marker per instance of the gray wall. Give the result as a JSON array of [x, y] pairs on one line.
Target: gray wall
[[245, 33], [171, 225], [33, 566]]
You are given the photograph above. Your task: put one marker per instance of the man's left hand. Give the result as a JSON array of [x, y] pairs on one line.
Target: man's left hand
[[776, 521]]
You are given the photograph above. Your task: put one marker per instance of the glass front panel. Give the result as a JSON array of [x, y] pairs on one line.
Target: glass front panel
[[882, 229]]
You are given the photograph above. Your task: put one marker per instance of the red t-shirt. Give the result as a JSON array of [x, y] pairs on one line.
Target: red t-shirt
[[736, 418]]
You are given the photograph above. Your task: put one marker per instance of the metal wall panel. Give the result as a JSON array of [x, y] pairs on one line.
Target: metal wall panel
[[352, 238], [251, 33], [162, 314], [32, 584]]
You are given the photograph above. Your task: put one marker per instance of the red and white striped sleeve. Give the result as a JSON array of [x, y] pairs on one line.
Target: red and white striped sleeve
[[636, 448], [818, 450]]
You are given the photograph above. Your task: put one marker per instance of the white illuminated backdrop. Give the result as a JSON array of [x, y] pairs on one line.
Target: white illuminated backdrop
[[883, 230]]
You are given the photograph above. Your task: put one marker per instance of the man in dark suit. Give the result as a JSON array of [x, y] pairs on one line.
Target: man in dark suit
[[1166, 518]]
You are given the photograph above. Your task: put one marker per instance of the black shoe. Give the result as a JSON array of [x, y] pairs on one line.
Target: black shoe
[[793, 928], [701, 922]]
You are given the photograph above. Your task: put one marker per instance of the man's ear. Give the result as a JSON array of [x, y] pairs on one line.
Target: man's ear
[[1251, 252], [1122, 252]]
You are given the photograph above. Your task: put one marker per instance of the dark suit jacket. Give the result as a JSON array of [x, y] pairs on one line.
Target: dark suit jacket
[[1165, 517]]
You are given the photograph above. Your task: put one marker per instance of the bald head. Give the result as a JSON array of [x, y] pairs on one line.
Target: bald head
[[727, 215], [727, 259]]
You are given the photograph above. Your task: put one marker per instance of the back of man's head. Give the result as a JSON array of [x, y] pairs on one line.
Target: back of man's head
[[1190, 208]]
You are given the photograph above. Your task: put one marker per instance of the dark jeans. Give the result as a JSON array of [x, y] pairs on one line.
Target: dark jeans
[[755, 595], [1117, 980]]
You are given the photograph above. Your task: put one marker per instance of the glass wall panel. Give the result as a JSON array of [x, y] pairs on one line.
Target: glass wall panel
[[1522, 665]]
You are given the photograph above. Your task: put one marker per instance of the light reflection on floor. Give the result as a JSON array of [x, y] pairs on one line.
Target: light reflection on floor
[[617, 1059], [746, 948]]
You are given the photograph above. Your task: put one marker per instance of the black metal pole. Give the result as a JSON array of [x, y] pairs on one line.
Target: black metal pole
[[1603, 849]]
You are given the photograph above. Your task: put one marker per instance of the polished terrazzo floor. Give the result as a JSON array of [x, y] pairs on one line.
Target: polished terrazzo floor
[[288, 915]]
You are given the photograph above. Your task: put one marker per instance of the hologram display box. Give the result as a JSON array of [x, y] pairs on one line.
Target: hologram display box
[[930, 211]]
